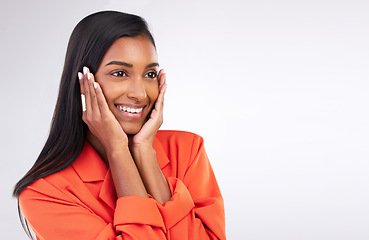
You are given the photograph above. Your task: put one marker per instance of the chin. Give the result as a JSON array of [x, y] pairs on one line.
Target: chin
[[131, 129]]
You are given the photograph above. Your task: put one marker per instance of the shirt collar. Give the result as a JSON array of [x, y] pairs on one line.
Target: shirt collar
[[90, 167], [161, 155]]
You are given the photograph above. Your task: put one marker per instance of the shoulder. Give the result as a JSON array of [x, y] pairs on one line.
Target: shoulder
[[54, 184], [175, 136], [52, 187], [180, 142]]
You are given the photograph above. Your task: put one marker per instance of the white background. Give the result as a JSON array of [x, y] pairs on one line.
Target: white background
[[278, 90]]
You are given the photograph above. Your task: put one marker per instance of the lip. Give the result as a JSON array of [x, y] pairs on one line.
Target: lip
[[128, 115]]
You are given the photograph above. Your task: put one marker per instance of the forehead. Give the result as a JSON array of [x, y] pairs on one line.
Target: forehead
[[134, 50]]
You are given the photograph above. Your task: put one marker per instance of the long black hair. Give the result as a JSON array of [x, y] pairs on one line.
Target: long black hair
[[87, 45]]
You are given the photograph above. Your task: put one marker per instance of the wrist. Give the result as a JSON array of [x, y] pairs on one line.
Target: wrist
[[141, 146], [113, 146], [142, 149], [142, 152], [115, 152]]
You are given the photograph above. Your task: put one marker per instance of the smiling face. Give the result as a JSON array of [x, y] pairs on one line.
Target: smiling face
[[128, 77]]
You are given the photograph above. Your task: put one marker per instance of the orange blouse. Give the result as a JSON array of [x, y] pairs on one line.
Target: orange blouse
[[80, 201]]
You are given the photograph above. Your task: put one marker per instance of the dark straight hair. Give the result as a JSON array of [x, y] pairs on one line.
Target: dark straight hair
[[87, 45]]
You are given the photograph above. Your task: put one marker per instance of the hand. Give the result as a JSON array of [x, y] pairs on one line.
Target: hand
[[145, 137], [97, 115]]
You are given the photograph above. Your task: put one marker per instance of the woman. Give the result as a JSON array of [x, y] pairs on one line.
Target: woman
[[106, 172]]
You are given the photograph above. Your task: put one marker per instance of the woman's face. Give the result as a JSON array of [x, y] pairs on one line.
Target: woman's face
[[128, 77]]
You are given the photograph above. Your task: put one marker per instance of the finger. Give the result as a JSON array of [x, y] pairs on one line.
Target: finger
[[83, 102], [98, 100], [163, 82], [162, 89], [83, 98], [160, 100], [80, 78], [162, 77], [162, 92], [101, 101], [87, 93], [91, 86], [157, 113]]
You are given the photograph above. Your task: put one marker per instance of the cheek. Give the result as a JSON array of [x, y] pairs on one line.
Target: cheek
[[112, 90]]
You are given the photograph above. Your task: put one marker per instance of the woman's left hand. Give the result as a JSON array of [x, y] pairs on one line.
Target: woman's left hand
[[145, 137]]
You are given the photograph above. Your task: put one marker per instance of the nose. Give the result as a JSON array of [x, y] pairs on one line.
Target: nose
[[136, 91]]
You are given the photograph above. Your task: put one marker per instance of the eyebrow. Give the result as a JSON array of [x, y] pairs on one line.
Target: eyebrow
[[155, 64]]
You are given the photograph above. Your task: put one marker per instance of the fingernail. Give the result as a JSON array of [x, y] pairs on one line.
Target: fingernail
[[83, 100], [88, 76], [163, 70], [80, 75], [95, 85], [85, 70]]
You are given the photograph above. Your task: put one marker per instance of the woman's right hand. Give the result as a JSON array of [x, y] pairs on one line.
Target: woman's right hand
[[97, 115]]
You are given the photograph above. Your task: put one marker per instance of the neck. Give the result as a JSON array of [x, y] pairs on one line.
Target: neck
[[96, 144]]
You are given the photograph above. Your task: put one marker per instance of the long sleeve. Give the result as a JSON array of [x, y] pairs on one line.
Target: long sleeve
[[196, 209], [54, 214]]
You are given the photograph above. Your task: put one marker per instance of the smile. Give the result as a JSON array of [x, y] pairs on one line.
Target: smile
[[130, 110]]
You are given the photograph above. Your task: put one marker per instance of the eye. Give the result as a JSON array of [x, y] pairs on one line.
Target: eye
[[119, 74], [151, 74]]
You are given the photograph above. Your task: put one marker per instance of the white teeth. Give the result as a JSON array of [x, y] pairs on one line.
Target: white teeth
[[130, 110]]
